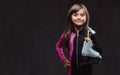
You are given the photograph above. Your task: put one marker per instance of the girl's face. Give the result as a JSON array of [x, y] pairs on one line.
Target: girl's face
[[79, 17]]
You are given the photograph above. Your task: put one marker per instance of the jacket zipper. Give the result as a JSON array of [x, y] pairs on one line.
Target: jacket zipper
[[77, 48]]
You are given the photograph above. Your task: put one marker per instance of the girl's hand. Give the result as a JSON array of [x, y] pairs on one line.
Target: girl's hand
[[66, 63], [87, 39]]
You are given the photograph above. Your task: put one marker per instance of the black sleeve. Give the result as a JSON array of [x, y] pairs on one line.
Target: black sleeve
[[96, 45]]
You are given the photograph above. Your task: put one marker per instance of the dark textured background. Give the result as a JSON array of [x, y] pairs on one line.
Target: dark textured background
[[29, 30]]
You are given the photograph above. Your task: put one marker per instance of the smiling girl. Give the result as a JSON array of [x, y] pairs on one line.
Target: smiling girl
[[72, 40]]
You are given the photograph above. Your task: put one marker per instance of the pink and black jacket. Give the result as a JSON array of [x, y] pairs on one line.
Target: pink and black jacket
[[61, 54]]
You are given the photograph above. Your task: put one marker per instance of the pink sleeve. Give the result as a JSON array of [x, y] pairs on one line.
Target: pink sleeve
[[59, 47]]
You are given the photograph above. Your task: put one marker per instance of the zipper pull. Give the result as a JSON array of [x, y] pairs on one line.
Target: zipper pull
[[77, 33]]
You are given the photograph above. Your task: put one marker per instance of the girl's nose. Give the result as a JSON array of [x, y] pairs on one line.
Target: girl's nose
[[79, 18]]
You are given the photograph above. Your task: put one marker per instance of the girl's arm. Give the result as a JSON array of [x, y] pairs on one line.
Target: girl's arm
[[59, 47], [96, 44]]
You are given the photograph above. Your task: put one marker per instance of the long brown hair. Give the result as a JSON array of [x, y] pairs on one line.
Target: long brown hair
[[69, 25]]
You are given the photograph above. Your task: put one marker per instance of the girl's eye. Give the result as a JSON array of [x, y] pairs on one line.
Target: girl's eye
[[75, 14], [82, 14]]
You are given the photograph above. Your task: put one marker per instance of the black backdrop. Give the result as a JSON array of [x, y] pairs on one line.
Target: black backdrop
[[29, 30]]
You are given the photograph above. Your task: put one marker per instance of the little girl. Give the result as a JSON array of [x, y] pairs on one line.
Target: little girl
[[72, 41]]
